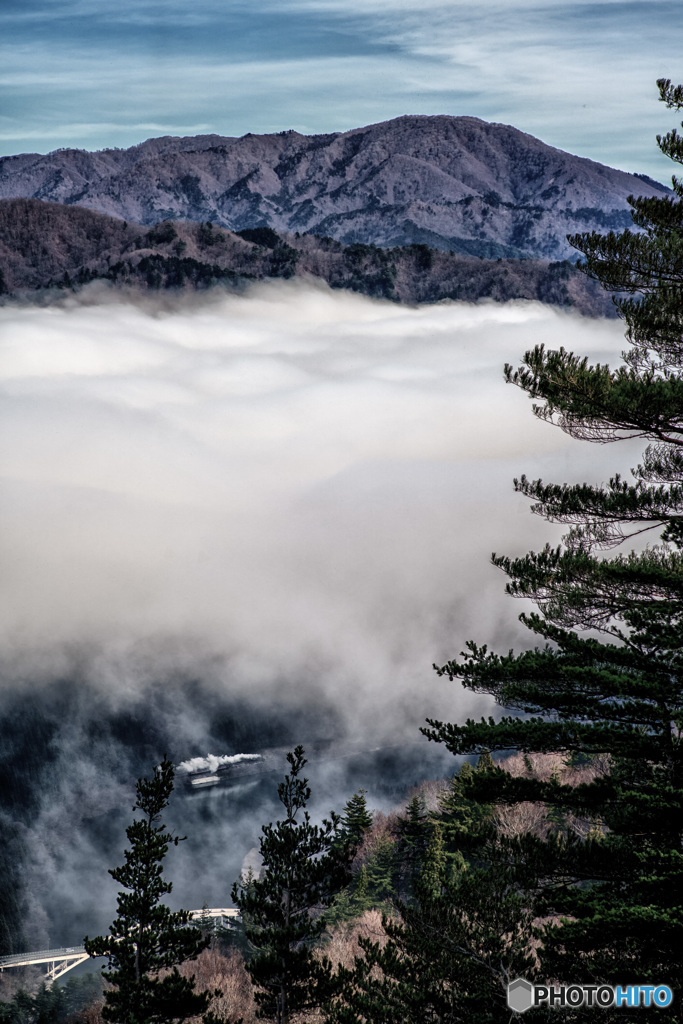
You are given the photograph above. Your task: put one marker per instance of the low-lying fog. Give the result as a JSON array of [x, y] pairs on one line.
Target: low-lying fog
[[281, 503]]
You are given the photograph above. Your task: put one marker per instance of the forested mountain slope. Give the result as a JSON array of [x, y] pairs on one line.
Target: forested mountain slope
[[46, 245], [455, 183]]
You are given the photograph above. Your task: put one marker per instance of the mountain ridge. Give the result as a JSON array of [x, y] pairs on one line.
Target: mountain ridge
[[455, 183], [49, 249]]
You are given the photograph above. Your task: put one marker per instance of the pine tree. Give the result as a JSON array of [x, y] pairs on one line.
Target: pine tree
[[147, 941], [302, 873], [619, 889], [449, 954]]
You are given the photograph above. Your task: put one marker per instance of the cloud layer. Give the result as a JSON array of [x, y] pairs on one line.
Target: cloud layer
[[241, 521], [295, 488]]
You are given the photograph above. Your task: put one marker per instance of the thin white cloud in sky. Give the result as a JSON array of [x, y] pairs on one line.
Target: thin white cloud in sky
[[578, 75]]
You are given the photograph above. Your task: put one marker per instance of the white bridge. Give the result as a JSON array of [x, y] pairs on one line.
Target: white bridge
[[59, 961]]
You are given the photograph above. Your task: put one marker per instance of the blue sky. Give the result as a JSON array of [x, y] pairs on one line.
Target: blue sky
[[579, 75]]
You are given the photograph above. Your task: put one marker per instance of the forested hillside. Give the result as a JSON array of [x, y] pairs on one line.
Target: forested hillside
[[48, 245], [378, 914]]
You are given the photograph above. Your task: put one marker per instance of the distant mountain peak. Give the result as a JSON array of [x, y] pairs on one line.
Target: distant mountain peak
[[452, 182]]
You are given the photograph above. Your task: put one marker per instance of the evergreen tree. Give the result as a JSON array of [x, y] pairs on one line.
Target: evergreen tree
[[355, 820], [460, 817], [361, 896], [351, 902], [302, 873], [205, 922], [619, 890], [449, 954], [381, 873], [413, 833], [234, 933], [485, 761], [432, 876], [146, 938], [53, 1005]]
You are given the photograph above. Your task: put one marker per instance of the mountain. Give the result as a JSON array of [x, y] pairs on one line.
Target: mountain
[[52, 246], [453, 183]]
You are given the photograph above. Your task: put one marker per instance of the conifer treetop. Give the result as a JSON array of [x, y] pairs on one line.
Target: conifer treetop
[[146, 937]]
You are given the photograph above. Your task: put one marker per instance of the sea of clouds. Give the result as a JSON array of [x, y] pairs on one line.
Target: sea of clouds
[[288, 495], [292, 483]]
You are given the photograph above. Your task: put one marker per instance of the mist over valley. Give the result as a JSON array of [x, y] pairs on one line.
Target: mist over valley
[[236, 522]]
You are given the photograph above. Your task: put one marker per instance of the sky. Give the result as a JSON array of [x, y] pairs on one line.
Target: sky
[[579, 75]]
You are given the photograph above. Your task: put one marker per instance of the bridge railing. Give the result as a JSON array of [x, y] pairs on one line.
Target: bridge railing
[[61, 960], [41, 956]]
